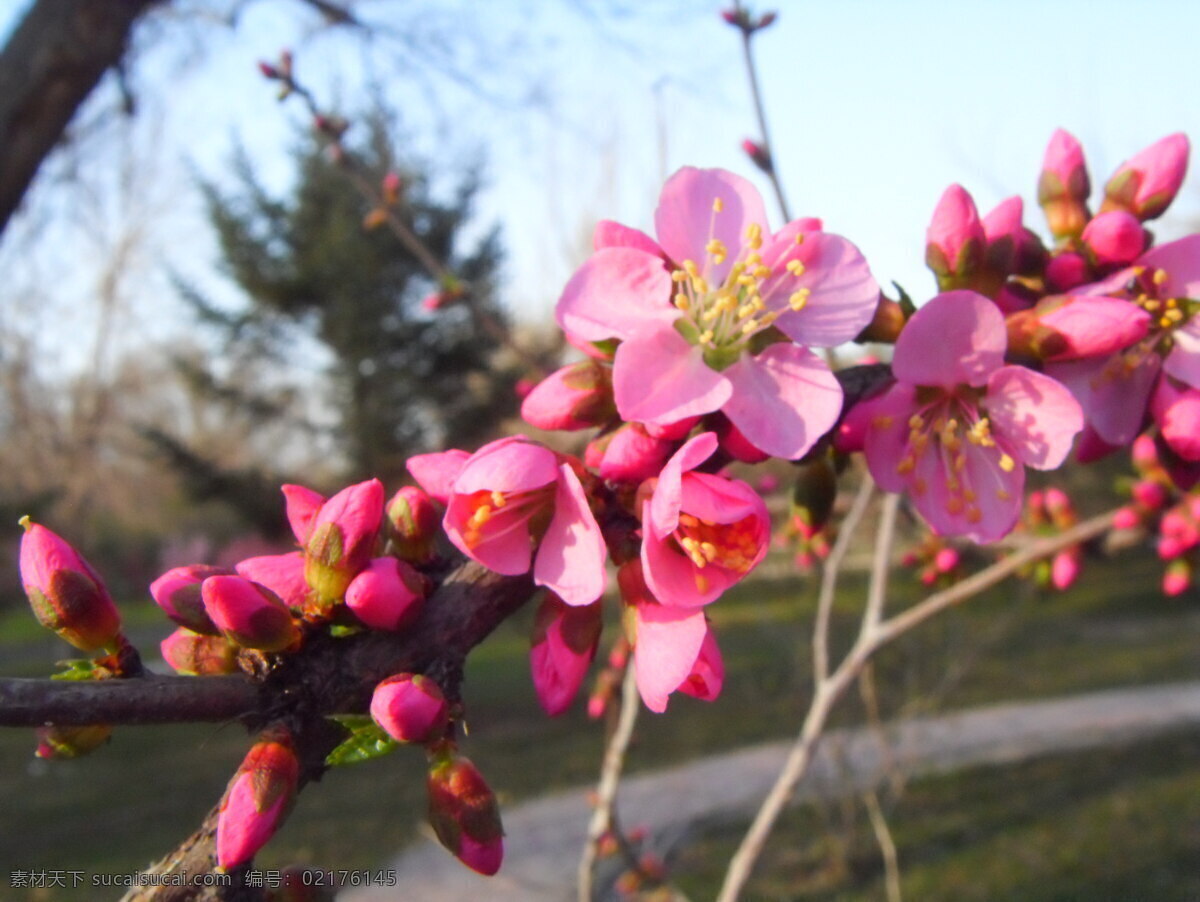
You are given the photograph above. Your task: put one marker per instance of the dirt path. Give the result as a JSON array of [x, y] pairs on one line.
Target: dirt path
[[544, 836]]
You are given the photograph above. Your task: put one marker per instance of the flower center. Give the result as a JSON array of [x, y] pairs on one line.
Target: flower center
[[496, 513], [1167, 314], [723, 316], [733, 546]]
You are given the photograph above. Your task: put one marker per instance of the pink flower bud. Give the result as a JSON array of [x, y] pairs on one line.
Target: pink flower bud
[[1127, 518], [465, 816], [410, 708], [283, 574], [579, 396], [177, 592], [1063, 186], [564, 643], [1176, 409], [249, 615], [945, 560], [342, 540], [71, 742], [955, 240], [66, 594], [258, 799], [522, 387], [1177, 578], [1146, 184], [1151, 495], [758, 155], [387, 595], [1115, 238], [628, 454], [1064, 569], [302, 506], [391, 186], [415, 522], [1066, 271], [267, 70], [191, 654], [1058, 503]]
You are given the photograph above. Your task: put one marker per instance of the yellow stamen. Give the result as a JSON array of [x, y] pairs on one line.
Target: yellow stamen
[[1007, 464], [718, 205], [795, 267]]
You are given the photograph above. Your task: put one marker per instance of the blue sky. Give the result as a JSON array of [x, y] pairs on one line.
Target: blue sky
[[875, 107]]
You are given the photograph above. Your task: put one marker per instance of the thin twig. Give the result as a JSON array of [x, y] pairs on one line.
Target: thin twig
[[610, 778], [829, 576], [887, 846], [872, 638], [760, 112], [881, 561]]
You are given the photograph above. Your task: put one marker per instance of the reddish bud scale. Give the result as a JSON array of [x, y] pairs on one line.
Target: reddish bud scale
[[66, 594], [464, 815]]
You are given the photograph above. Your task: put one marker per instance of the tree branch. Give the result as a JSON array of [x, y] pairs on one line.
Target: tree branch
[[52, 62]]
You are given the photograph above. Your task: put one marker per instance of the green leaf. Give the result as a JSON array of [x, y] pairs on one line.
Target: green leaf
[[76, 669], [367, 740]]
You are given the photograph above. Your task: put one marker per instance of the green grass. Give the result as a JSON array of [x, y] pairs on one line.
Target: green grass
[[133, 800]]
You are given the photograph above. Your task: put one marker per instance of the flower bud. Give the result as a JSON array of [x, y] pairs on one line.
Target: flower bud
[[415, 524], [388, 595], [464, 814], [177, 592], [410, 708], [342, 538], [1177, 578], [945, 560], [1146, 184], [283, 574], [191, 654], [66, 594], [564, 643], [1066, 271], [1011, 248], [758, 155], [1149, 494], [302, 506], [258, 798], [1063, 186], [71, 742], [628, 454], [1064, 569], [579, 396], [249, 615], [955, 240], [1114, 238]]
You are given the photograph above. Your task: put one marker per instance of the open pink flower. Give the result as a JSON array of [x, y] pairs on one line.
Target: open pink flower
[[561, 650], [958, 427], [1140, 325], [687, 308], [511, 495], [700, 533]]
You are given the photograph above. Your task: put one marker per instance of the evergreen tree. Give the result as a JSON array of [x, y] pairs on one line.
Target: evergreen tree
[[404, 379]]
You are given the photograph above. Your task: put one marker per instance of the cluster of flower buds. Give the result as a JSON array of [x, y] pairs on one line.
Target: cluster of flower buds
[[937, 563], [1047, 513], [745, 21], [390, 187]]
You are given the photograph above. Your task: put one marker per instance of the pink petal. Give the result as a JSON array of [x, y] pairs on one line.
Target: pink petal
[[570, 559], [612, 234], [1095, 326], [658, 377], [436, 472], [667, 645], [1036, 415], [676, 581], [663, 511], [685, 220], [708, 673], [958, 337], [615, 294], [843, 293], [1178, 414], [1181, 262], [1183, 362], [512, 464], [302, 505], [998, 494], [886, 440], [783, 400], [505, 548], [720, 500], [1005, 220], [1113, 399]]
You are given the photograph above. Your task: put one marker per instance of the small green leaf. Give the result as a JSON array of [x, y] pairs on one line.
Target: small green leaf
[[76, 669], [365, 742]]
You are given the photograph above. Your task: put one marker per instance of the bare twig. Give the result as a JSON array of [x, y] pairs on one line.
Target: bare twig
[[610, 778], [883, 835], [829, 576], [871, 638], [760, 112]]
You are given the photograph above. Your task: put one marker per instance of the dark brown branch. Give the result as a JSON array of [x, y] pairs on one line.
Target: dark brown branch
[[52, 61]]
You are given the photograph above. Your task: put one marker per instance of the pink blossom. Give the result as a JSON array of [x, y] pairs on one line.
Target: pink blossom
[[575, 397], [1176, 409], [686, 325], [958, 427], [342, 537], [707, 676], [1146, 184], [410, 708], [700, 533], [955, 239], [513, 494], [257, 800], [387, 595], [436, 472], [562, 648]]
